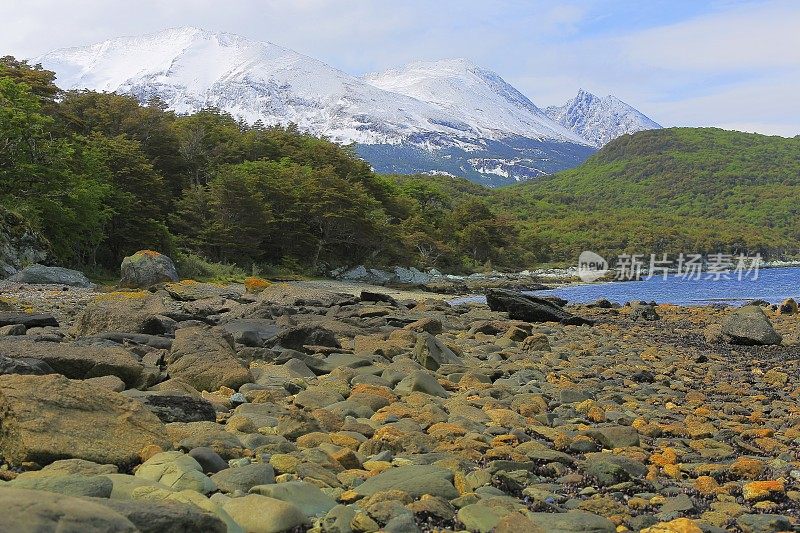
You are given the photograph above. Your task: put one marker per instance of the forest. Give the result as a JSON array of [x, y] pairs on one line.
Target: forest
[[102, 175]]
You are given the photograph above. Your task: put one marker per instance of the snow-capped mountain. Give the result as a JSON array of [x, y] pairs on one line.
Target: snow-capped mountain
[[444, 116], [600, 120], [473, 95]]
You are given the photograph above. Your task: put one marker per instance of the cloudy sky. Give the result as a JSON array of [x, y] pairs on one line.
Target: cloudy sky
[[729, 63]]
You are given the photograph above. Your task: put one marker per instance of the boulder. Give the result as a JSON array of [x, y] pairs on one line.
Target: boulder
[[76, 361], [243, 478], [641, 311], [421, 381], [147, 268], [189, 290], [432, 353], [66, 467], [371, 296], [33, 511], [206, 360], [295, 338], [409, 276], [260, 514], [363, 274], [68, 484], [307, 497], [46, 418], [520, 306], [788, 307], [764, 523], [48, 275], [157, 517], [416, 480], [25, 365], [121, 337], [123, 311], [253, 331], [615, 436], [210, 460], [12, 330], [749, 326], [177, 471], [20, 244], [609, 469], [172, 406], [571, 522], [29, 320]]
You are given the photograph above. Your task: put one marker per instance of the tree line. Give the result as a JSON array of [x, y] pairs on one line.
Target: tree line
[[102, 175]]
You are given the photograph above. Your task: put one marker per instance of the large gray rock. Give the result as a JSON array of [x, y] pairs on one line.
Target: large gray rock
[[415, 480], [34, 511], [130, 312], [46, 418], [260, 514], [69, 485], [307, 497], [243, 478], [609, 469], [20, 244], [252, 331], [26, 365], [615, 436], [363, 275], [749, 326], [206, 360], [572, 522], [146, 268], [47, 275], [764, 523], [78, 362], [432, 353], [409, 276], [521, 306], [158, 517], [172, 406], [176, 470], [421, 381], [68, 467], [641, 311], [295, 338], [29, 320]]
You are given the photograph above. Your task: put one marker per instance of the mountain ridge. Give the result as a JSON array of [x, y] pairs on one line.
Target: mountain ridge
[[456, 117], [600, 120]]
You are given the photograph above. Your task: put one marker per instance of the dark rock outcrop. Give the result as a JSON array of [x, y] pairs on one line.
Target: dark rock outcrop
[[521, 306]]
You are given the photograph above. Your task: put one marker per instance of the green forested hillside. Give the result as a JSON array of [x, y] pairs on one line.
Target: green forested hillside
[[672, 190], [102, 176]]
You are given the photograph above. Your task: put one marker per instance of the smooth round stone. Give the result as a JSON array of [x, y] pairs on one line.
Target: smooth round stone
[[261, 514], [209, 460]]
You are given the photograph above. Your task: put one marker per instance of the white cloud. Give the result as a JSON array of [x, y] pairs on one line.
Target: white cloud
[[738, 65], [750, 37]]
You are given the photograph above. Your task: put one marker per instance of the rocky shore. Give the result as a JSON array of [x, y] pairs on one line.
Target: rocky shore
[[297, 407]]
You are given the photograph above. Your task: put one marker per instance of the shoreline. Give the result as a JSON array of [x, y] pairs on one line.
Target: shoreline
[[388, 409]]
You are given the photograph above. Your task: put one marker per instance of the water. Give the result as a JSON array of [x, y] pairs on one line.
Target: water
[[773, 285]]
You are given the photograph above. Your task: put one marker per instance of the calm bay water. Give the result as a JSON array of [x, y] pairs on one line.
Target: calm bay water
[[773, 285]]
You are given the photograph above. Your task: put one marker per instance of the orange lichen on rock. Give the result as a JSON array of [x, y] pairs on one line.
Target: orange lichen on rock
[[255, 285]]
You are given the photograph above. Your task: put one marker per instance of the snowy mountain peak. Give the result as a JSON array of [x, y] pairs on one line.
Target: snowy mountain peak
[[448, 115], [600, 120], [471, 92]]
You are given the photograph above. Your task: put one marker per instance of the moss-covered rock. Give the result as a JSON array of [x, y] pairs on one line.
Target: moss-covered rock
[[146, 268]]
